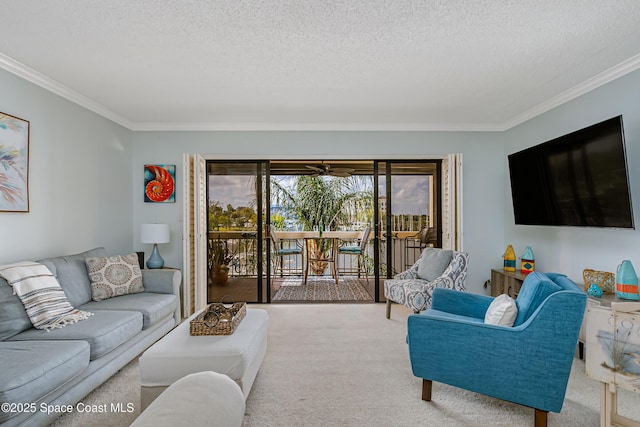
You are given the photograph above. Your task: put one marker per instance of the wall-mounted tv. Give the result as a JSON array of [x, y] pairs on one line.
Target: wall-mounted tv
[[579, 179]]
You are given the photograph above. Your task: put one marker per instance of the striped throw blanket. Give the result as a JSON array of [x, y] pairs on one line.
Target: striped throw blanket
[[44, 300]]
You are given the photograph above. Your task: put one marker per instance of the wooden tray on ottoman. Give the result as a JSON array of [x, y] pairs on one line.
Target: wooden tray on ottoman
[[218, 319]]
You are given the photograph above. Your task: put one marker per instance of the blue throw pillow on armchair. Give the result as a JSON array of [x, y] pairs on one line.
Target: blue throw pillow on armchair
[[535, 289], [433, 262]]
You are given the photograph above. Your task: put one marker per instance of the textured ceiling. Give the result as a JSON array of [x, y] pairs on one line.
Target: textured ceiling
[[319, 64]]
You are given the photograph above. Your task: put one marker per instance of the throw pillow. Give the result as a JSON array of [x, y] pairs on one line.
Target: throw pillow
[[502, 311], [433, 262], [114, 276], [44, 300], [535, 289]]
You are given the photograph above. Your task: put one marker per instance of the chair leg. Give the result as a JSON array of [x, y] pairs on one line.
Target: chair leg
[[426, 390], [364, 268], [334, 263], [388, 308], [581, 350], [540, 418]]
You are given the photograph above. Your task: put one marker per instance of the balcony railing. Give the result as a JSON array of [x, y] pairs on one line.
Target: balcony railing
[[242, 250]]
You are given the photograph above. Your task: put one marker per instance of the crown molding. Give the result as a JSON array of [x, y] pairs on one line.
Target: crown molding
[[613, 73], [31, 75], [363, 127]]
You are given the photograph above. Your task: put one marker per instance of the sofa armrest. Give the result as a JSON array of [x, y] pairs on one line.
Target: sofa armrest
[[202, 398], [164, 281], [460, 303]]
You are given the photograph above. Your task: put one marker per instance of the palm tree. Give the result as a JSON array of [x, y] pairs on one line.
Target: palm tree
[[324, 202]]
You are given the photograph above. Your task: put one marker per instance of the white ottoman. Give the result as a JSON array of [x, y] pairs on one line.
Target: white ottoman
[[200, 399], [178, 354]]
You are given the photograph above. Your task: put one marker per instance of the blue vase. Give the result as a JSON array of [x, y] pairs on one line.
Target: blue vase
[[155, 260], [626, 281], [595, 291]]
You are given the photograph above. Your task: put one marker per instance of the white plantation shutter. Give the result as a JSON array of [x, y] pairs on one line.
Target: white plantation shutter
[[188, 249], [195, 232], [452, 202]]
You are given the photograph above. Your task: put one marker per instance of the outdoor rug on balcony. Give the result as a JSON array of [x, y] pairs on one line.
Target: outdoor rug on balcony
[[321, 289]]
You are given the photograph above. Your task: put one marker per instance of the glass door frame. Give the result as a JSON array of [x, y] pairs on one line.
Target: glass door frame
[[387, 234], [263, 213]]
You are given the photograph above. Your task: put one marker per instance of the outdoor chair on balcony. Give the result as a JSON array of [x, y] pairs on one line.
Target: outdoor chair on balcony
[[414, 244], [357, 251], [436, 268], [283, 251]]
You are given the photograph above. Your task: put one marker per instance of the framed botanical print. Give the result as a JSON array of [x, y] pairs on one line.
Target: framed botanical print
[[14, 164]]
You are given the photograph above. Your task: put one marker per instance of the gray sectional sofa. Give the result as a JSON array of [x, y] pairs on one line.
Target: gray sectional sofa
[[45, 373]]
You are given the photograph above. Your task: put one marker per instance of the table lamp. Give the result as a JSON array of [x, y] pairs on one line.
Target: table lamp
[[154, 233]]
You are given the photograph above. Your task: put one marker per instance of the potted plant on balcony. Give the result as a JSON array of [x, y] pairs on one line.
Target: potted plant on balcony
[[219, 260]]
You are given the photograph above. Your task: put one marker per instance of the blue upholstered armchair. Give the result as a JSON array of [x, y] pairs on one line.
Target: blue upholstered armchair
[[528, 363]]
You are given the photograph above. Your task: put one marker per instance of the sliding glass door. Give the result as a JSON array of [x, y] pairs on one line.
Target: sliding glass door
[[408, 194], [265, 221], [235, 233]]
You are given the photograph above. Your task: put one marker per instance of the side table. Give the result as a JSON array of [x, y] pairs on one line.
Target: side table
[[604, 301], [506, 282], [613, 356]]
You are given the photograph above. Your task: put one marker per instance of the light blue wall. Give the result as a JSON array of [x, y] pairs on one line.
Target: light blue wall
[[566, 249], [79, 178], [86, 178], [483, 175]]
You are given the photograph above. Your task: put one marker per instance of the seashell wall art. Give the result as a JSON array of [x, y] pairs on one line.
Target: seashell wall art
[[160, 183]]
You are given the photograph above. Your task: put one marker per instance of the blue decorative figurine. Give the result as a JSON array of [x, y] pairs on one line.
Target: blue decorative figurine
[[594, 291]]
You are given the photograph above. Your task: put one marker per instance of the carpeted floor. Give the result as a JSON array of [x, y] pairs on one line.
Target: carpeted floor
[[322, 289], [346, 365]]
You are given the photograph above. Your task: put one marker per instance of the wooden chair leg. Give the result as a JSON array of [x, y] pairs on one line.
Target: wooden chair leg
[[426, 390], [540, 418], [388, 308]]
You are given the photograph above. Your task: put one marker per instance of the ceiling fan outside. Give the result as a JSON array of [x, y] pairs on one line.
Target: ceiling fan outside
[[324, 169]]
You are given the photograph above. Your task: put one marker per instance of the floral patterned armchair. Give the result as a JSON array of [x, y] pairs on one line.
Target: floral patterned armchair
[[409, 289]]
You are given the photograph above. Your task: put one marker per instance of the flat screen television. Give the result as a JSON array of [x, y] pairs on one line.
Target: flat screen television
[[579, 179]]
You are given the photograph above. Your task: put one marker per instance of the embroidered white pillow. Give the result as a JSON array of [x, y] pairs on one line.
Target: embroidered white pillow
[[114, 276], [502, 311]]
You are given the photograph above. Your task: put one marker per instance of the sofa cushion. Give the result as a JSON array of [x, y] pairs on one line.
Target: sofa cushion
[[433, 262], [44, 300], [502, 311], [535, 289], [114, 276], [32, 369], [71, 272], [154, 307], [13, 317], [104, 331]]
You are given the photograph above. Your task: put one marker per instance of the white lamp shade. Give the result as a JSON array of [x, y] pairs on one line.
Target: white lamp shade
[[154, 233]]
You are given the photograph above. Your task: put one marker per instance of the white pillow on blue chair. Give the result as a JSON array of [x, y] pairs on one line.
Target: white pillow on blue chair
[[502, 311]]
